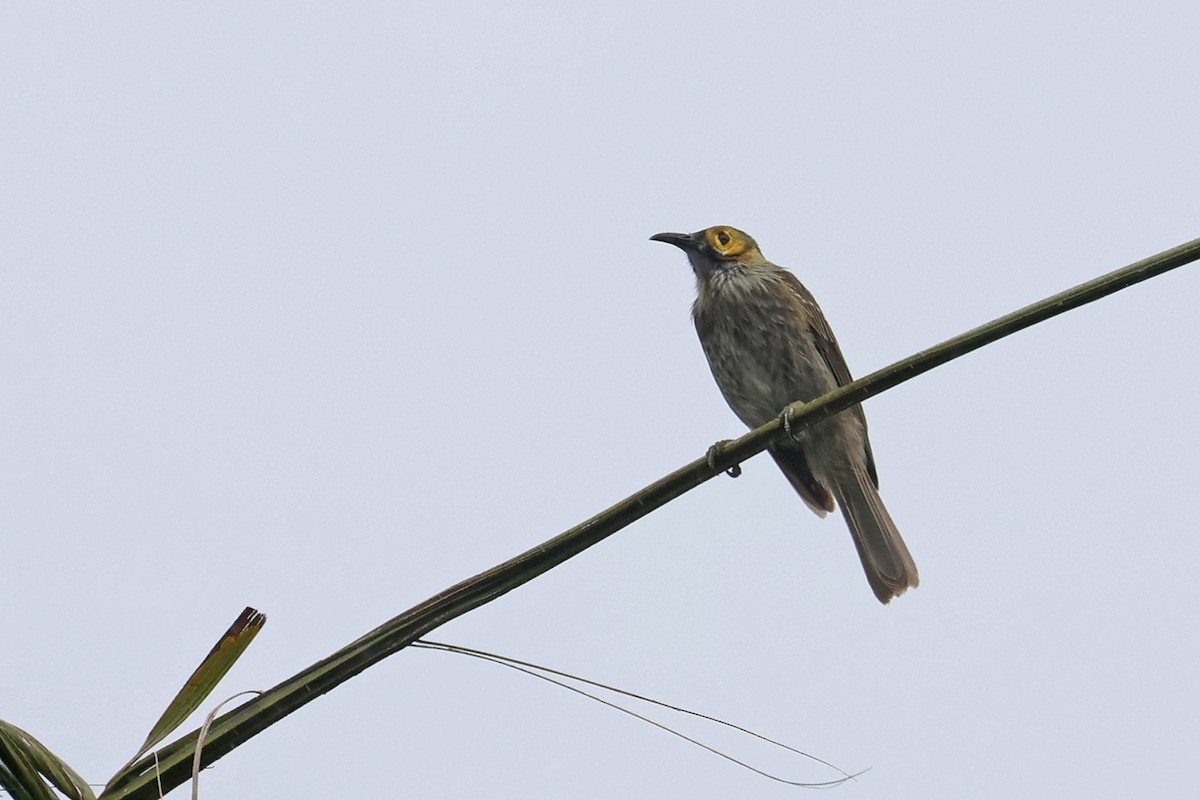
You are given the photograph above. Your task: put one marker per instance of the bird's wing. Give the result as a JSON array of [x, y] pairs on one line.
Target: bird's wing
[[827, 346], [794, 467]]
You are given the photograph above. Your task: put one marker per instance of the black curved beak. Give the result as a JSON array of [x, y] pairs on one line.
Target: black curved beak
[[684, 241]]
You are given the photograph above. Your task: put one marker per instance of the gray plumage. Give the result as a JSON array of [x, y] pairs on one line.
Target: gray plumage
[[768, 345]]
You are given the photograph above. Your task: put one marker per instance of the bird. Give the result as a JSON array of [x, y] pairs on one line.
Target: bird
[[768, 345]]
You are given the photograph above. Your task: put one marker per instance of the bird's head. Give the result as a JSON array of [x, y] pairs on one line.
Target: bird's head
[[717, 248]]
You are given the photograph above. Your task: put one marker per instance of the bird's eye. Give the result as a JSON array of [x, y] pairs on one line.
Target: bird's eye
[[725, 241]]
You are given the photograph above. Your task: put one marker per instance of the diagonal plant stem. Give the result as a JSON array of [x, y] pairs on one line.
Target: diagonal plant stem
[[237, 726]]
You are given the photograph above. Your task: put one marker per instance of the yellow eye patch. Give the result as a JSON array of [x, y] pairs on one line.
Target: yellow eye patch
[[726, 241]]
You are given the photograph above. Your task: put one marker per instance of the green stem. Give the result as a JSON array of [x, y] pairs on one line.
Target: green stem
[[238, 726]]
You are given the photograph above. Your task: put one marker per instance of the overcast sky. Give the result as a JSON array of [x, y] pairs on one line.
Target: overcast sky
[[323, 308]]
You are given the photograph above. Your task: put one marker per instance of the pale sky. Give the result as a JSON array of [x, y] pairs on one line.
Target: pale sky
[[323, 308]]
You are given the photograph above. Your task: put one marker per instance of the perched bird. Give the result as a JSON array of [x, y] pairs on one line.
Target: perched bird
[[768, 345]]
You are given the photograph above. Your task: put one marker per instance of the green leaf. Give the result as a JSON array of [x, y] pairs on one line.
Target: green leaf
[[199, 686], [23, 762], [8, 781]]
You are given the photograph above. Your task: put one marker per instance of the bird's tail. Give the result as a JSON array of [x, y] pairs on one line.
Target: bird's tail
[[885, 558]]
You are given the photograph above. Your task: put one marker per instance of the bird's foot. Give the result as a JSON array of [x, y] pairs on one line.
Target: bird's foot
[[798, 437], [711, 458]]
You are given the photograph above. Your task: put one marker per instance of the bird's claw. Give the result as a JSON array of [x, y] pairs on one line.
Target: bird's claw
[[711, 458], [787, 426]]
